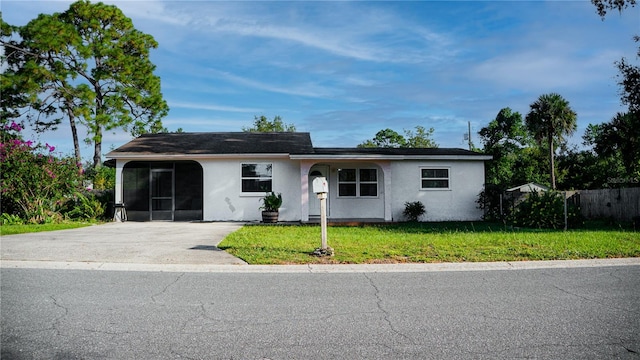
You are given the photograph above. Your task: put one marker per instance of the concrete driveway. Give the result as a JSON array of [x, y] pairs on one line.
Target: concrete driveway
[[182, 243]]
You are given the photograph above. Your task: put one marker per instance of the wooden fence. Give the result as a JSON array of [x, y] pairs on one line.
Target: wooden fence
[[618, 204]]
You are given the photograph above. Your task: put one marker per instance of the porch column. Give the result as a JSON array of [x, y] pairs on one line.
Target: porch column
[[386, 171], [117, 192], [305, 166]]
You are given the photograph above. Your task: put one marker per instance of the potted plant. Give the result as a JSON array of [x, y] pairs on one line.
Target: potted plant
[[271, 202]]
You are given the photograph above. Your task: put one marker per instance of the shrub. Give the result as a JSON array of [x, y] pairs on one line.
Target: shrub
[[413, 210], [103, 178], [34, 183], [84, 207], [10, 219], [106, 198], [545, 210], [489, 202]]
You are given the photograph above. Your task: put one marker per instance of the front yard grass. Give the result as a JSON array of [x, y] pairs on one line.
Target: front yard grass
[[428, 243]]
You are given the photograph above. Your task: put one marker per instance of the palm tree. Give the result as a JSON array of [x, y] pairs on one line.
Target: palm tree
[[550, 119]]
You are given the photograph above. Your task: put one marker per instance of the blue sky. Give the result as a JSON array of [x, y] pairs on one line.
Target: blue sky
[[344, 70]]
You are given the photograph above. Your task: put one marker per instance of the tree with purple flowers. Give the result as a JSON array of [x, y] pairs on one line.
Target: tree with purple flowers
[[34, 182]]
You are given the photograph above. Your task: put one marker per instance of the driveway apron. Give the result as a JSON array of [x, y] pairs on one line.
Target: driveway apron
[[192, 243]]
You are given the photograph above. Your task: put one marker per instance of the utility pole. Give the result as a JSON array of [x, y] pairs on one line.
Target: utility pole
[[469, 135]]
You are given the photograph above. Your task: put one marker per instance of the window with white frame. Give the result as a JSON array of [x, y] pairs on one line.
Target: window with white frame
[[257, 177], [434, 178], [358, 182]]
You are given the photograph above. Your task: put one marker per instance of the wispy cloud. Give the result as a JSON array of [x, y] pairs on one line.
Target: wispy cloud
[[340, 44], [352, 31], [544, 69], [203, 124], [308, 89], [156, 11], [210, 107], [307, 37]]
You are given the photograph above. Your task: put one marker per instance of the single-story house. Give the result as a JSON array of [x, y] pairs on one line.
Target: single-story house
[[223, 176]]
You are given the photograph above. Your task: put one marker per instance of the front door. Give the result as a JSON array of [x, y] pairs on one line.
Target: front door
[[314, 202], [162, 194]]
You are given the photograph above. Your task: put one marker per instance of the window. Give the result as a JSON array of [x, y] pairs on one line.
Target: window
[[434, 178], [347, 183], [358, 182], [256, 177], [368, 182]]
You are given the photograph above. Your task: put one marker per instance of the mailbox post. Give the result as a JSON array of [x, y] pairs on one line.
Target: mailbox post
[[321, 188]]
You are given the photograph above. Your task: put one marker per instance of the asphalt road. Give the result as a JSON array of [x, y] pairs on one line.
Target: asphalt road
[[576, 313]]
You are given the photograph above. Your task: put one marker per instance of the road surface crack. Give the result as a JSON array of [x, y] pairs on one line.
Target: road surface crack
[[56, 322], [181, 355], [153, 297], [630, 350], [593, 300], [385, 313]]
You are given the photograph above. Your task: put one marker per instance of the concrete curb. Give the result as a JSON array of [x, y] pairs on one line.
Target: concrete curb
[[317, 268]]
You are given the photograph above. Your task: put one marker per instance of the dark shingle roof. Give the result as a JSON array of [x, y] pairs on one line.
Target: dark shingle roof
[[218, 143], [291, 143], [395, 151]]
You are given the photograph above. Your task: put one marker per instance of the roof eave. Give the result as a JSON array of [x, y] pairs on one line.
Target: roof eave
[[389, 157], [336, 157], [138, 156]]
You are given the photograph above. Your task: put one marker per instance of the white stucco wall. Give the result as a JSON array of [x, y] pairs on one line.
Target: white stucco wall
[[355, 207], [399, 182], [456, 203], [223, 197]]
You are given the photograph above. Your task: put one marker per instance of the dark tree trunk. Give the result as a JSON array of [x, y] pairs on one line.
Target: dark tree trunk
[[551, 163], [74, 134], [97, 149], [97, 136]]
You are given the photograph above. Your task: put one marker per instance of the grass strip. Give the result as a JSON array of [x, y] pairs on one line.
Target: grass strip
[[428, 243], [31, 228]]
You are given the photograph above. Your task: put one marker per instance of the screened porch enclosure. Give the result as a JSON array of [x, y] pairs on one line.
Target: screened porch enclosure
[[169, 191]]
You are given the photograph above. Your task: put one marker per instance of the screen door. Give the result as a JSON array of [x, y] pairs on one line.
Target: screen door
[[162, 194]]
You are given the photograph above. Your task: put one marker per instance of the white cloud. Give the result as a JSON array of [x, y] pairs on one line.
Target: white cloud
[[545, 69], [308, 89], [210, 107], [351, 30], [356, 80], [206, 123], [157, 11]]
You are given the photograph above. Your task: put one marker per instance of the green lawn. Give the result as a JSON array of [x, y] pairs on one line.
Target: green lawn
[[428, 242], [30, 228]]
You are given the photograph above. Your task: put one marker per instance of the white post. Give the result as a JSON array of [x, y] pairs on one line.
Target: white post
[[323, 218], [321, 188], [565, 211]]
